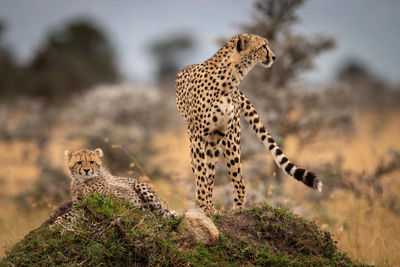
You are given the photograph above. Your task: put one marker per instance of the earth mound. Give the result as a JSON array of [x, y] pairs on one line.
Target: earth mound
[[110, 231]]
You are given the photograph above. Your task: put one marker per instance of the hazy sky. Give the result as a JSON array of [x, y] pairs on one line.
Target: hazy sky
[[368, 30]]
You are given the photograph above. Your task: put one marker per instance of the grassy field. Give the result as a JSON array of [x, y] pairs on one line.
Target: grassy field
[[367, 232]]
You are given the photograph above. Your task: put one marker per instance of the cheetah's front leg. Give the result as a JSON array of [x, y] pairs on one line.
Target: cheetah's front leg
[[231, 152]]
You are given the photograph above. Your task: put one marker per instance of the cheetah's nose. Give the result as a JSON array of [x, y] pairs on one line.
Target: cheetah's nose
[[273, 57], [87, 171]]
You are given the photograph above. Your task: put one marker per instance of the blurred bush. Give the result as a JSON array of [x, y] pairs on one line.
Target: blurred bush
[[295, 52], [71, 59], [169, 54], [8, 67], [373, 186], [367, 88], [50, 189], [26, 119], [120, 112]]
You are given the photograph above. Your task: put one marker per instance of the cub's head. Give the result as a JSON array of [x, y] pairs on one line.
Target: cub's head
[[84, 164], [253, 49]]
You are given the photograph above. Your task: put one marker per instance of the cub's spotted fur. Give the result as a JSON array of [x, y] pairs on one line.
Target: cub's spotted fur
[[88, 176], [208, 97]]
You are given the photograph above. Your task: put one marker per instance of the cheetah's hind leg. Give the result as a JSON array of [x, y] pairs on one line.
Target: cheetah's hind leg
[[170, 214]]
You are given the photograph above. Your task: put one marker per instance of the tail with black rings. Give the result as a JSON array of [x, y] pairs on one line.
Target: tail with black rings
[[300, 174]]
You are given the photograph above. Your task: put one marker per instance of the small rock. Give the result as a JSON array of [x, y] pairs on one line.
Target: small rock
[[197, 226]]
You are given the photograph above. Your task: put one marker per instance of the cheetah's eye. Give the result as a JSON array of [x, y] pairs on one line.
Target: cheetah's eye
[[79, 162], [91, 162]]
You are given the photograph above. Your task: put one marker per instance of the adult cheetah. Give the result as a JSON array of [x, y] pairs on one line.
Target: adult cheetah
[[208, 97]]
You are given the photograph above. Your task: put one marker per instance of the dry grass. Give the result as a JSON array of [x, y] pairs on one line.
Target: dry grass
[[13, 178], [15, 223], [367, 232], [374, 135]]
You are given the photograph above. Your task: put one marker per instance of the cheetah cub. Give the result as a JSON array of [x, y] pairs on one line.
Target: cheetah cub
[[88, 175]]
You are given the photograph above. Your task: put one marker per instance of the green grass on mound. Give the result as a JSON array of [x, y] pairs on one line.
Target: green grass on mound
[[113, 232]]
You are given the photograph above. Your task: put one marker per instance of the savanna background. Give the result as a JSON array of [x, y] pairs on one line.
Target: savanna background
[[101, 74]]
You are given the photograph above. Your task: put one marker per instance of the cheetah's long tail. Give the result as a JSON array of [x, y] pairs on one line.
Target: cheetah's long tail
[[300, 174]]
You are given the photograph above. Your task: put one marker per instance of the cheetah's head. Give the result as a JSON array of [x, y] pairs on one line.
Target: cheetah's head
[[84, 164], [253, 48]]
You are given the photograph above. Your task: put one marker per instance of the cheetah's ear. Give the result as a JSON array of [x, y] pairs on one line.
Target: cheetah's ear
[[99, 152], [68, 155], [241, 42]]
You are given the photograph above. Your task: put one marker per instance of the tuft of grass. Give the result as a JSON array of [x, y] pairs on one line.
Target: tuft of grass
[[110, 231]]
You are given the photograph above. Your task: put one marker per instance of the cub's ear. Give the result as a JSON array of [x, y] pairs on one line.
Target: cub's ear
[[99, 152], [68, 155], [241, 42]]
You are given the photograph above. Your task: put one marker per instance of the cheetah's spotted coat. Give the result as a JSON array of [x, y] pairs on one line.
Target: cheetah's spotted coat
[[208, 97], [89, 176]]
